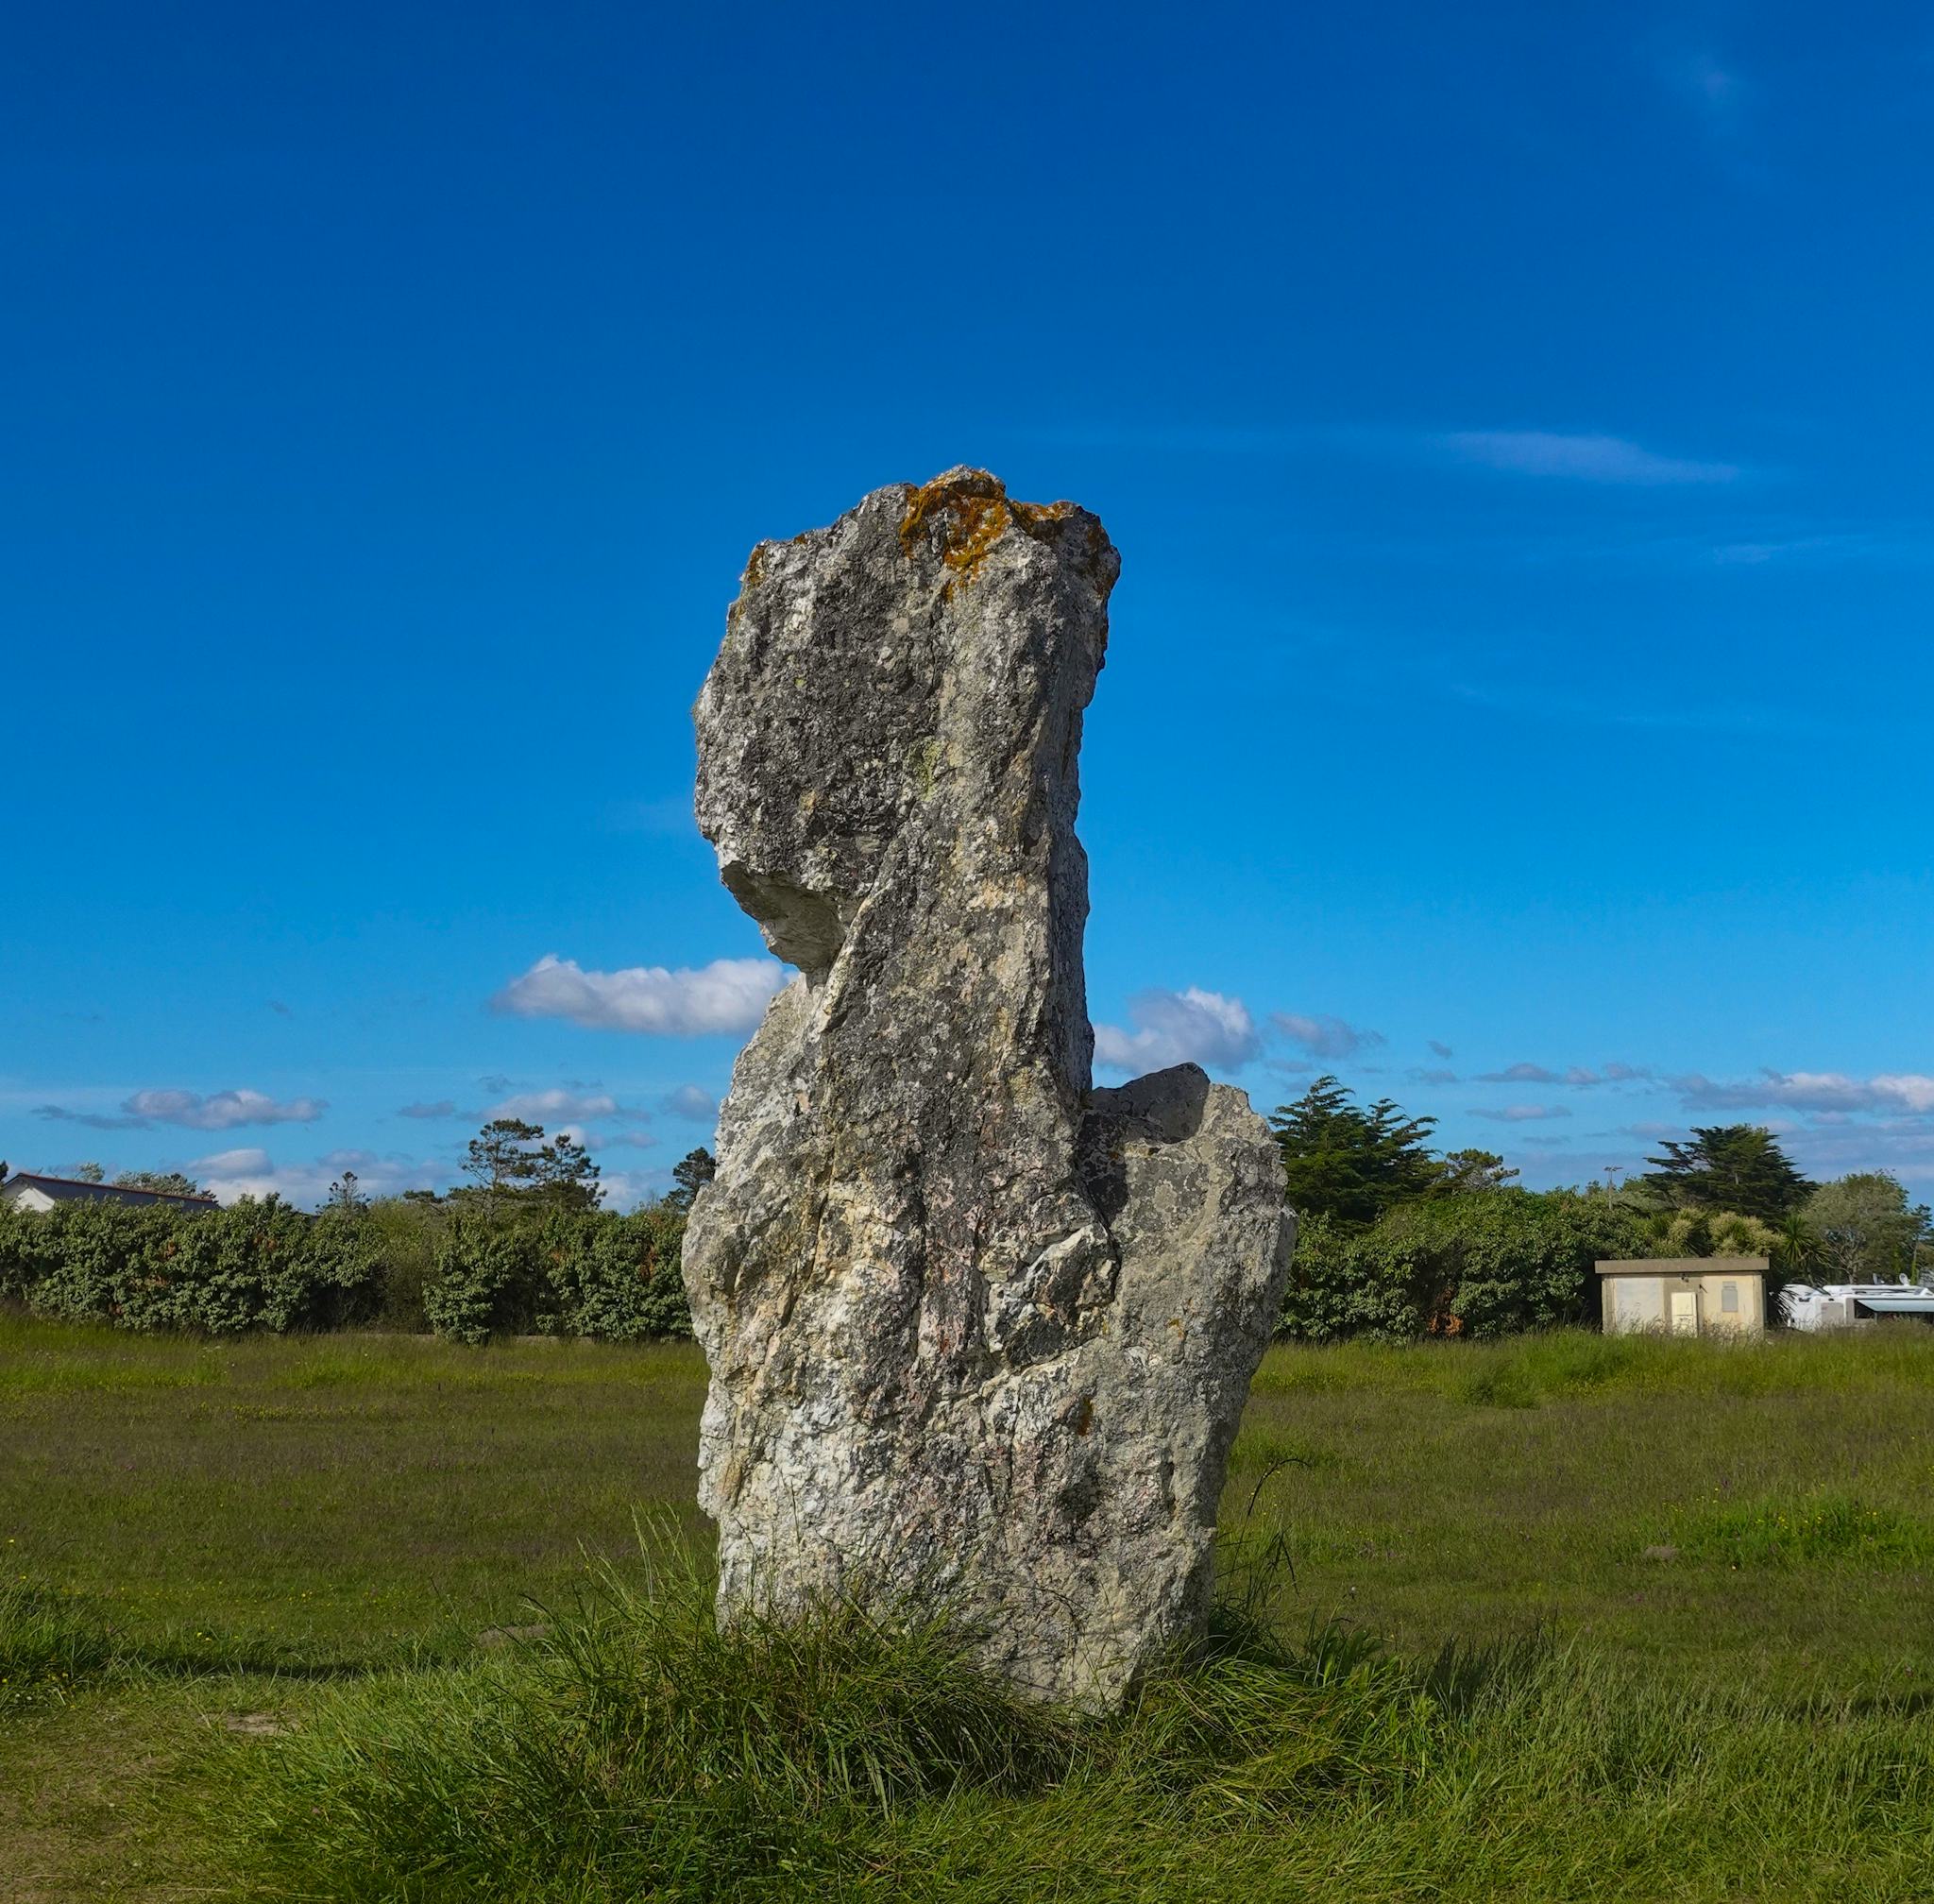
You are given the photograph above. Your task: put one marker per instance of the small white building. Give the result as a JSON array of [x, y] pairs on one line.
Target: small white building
[[1683, 1295], [1847, 1305]]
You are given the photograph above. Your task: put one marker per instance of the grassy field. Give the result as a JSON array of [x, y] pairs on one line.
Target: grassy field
[[254, 1642]]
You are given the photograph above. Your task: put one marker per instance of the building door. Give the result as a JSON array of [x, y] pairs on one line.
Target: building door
[[1685, 1312]]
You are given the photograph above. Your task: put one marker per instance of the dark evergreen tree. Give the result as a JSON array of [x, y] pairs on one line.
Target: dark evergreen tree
[[1730, 1166], [1473, 1170], [504, 1158], [689, 1175], [567, 1175], [1350, 1163]]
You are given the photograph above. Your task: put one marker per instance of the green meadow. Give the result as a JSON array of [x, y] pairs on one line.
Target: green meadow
[[362, 1618]]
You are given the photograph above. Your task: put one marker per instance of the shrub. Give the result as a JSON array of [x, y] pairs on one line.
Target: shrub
[[257, 1265], [559, 1273], [1478, 1264], [466, 1273]]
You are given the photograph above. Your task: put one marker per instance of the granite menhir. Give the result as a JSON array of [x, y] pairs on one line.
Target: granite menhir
[[979, 1333]]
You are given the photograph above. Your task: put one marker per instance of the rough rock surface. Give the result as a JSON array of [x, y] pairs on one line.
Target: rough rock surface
[[976, 1331]]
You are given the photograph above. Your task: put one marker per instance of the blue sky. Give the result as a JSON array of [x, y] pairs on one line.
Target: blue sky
[[1514, 421]]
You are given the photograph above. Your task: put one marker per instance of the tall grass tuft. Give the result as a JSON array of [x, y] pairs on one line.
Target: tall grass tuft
[[636, 1751], [48, 1647]]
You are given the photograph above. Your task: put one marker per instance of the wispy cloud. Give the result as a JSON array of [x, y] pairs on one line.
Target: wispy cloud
[[1177, 1028], [1519, 1074], [560, 1105], [1432, 1075], [1523, 1113], [1438, 1048], [1581, 458], [1814, 1091], [220, 1111], [1323, 1036], [228, 1175], [444, 1106], [727, 995], [1575, 1076], [690, 1103]]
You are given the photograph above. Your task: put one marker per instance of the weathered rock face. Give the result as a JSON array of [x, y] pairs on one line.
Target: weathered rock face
[[976, 1331]]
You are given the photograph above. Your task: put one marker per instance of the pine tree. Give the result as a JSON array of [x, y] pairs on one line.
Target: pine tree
[[1350, 1163], [567, 1175], [691, 1175], [504, 1158], [1730, 1166]]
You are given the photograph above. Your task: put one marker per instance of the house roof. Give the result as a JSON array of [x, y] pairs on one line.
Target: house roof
[[1685, 1266], [77, 1190]]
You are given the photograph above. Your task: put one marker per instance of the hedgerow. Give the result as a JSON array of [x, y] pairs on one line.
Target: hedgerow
[[263, 1265], [1478, 1264], [567, 1273]]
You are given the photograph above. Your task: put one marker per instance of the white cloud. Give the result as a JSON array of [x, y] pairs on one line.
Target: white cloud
[[1817, 1091], [618, 1140], [1177, 1028], [1580, 457], [228, 1175], [1577, 1077], [223, 1111], [1908, 1089], [558, 1106], [1322, 1036], [625, 1190], [689, 1102], [1524, 1113], [729, 994]]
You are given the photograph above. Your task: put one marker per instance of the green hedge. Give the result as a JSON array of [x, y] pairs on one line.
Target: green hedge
[[256, 1266], [1478, 1264], [616, 1278], [466, 1273]]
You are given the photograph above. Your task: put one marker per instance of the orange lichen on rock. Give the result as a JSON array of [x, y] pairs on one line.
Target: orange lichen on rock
[[974, 511]]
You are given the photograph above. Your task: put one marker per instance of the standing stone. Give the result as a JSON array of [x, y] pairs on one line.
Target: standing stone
[[977, 1332]]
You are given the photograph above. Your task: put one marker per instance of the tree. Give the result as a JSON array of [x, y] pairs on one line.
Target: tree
[[1489, 1263], [1349, 1164], [1462, 1170], [503, 1156], [1730, 1166], [567, 1174], [511, 1159], [1865, 1229], [88, 1173], [691, 1175], [345, 1198], [1797, 1252], [170, 1183]]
